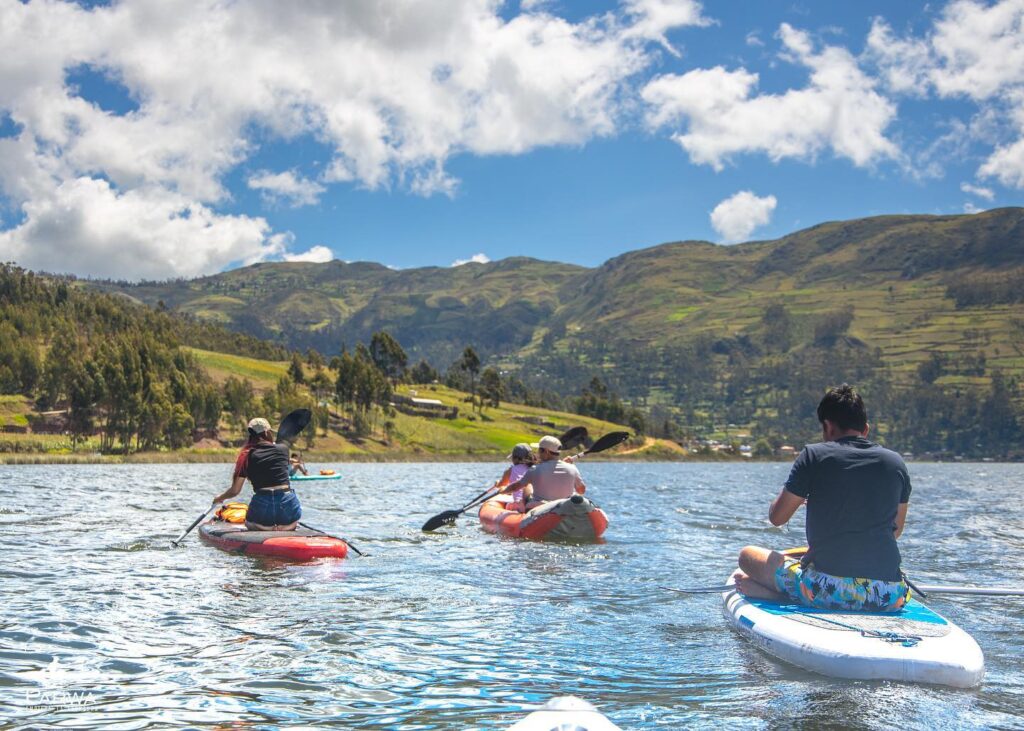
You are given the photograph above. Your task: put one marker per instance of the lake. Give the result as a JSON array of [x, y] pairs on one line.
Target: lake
[[105, 626]]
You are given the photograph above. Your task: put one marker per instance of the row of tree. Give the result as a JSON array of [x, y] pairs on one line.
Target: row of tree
[[113, 367]]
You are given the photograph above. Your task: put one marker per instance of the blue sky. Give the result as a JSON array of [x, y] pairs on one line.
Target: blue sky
[[154, 139]]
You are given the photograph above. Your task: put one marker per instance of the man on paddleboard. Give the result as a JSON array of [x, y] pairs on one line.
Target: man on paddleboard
[[551, 478], [857, 494], [274, 505]]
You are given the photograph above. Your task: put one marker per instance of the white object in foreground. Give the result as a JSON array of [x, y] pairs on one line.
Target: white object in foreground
[[914, 645], [565, 712]]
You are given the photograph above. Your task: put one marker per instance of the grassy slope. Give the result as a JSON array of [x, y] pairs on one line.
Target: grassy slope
[[262, 373], [893, 270], [487, 436]]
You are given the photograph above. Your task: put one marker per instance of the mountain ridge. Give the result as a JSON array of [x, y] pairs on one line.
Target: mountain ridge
[[659, 295]]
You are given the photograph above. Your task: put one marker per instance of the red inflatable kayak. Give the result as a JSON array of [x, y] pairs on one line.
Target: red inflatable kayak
[[575, 518], [298, 545]]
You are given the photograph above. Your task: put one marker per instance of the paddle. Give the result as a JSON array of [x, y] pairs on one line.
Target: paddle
[[188, 530], [613, 439], [347, 541], [291, 426], [573, 436], [926, 588]]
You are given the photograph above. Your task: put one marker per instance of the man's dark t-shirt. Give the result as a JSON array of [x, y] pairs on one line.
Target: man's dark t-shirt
[[853, 489]]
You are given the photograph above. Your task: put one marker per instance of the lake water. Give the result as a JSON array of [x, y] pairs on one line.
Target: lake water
[[105, 626]]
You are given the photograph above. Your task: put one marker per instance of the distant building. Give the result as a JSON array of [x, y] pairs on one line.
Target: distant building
[[787, 451], [430, 407]]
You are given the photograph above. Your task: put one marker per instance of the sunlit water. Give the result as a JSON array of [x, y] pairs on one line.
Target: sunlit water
[[104, 625]]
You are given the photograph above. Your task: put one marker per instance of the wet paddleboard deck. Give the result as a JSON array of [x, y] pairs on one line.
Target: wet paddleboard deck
[[302, 544], [915, 644]]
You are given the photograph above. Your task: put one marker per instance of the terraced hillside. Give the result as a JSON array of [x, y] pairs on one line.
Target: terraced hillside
[[705, 332]]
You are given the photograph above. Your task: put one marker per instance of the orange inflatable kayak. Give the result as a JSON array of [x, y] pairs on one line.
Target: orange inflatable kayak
[[575, 518], [298, 545]]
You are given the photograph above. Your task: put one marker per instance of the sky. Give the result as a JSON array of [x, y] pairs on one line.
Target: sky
[[154, 139]]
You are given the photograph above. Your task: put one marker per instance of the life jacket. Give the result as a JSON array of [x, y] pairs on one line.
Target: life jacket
[[326, 472], [233, 512]]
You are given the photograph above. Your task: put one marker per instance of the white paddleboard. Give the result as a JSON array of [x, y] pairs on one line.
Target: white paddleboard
[[915, 644], [566, 713]]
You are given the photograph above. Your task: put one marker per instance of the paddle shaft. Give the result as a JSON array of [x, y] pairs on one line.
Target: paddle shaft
[[196, 522], [347, 541]]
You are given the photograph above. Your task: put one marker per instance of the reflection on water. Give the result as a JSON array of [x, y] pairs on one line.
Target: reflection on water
[[106, 626]]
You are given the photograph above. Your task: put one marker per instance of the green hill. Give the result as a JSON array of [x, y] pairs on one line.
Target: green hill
[[696, 333], [900, 274]]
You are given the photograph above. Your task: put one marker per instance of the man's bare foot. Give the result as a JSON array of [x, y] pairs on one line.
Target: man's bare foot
[[750, 588]]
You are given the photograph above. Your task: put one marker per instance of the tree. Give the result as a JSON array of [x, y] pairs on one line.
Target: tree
[[320, 384], [239, 399], [388, 356], [314, 359], [470, 363], [345, 384], [931, 370], [833, 325], [422, 372], [491, 388], [295, 371], [778, 328]]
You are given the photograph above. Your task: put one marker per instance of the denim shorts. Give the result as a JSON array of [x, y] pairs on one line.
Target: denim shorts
[[274, 507], [814, 588]]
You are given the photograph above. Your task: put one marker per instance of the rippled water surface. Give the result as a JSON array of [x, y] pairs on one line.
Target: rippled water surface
[[105, 626]]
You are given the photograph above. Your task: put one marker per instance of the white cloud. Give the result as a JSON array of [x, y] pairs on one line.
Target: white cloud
[[1006, 164], [86, 226], [654, 18], [318, 255], [754, 39], [975, 51], [979, 48], [971, 208], [475, 259], [288, 187], [904, 64], [986, 193], [736, 217], [391, 88], [838, 110]]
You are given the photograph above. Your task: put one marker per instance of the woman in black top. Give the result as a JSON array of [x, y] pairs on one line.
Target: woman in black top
[[274, 505]]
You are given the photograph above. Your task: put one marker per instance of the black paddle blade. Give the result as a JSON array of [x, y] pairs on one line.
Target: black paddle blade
[[608, 441], [293, 424], [573, 437], [446, 518]]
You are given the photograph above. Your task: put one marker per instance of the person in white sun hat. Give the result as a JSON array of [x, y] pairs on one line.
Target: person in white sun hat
[[274, 505], [550, 479]]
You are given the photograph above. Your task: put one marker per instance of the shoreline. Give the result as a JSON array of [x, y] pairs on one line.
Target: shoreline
[[314, 457]]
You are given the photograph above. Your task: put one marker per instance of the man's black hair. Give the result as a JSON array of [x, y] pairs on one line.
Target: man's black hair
[[844, 407]]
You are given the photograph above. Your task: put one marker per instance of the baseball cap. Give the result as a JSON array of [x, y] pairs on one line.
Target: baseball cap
[[550, 443], [259, 425], [520, 451]]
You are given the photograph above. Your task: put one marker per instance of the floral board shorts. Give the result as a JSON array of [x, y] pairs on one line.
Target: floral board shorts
[[817, 589]]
